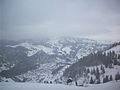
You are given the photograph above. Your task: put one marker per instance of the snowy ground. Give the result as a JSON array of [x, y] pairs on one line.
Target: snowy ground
[[36, 86]]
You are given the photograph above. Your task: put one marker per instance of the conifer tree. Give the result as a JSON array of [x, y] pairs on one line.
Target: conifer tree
[[117, 76], [104, 80], [115, 61], [98, 81], [107, 79], [111, 78], [101, 67], [91, 81], [94, 72], [88, 71], [103, 70], [97, 73], [118, 56]]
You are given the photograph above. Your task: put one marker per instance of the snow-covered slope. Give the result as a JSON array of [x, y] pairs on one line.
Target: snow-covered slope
[[75, 47], [97, 66], [36, 86], [46, 72], [116, 49], [33, 49]]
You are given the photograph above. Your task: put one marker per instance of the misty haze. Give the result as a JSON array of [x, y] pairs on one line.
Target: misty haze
[[59, 44]]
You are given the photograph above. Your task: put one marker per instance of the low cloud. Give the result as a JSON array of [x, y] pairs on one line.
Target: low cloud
[[37, 18]]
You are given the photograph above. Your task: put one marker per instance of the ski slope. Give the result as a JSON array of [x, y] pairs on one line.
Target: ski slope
[[37, 86]]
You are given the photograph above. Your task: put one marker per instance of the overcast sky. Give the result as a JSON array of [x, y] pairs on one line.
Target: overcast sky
[[96, 19]]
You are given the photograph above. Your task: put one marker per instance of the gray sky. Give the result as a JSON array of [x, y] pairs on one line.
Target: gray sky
[[96, 19], [0, 21]]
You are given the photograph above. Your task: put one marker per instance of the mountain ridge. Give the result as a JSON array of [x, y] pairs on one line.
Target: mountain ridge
[[65, 51]]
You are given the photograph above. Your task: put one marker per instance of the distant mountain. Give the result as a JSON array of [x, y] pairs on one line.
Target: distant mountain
[[45, 59]]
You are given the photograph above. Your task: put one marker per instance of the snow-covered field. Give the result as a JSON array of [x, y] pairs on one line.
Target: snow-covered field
[[37, 86]]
